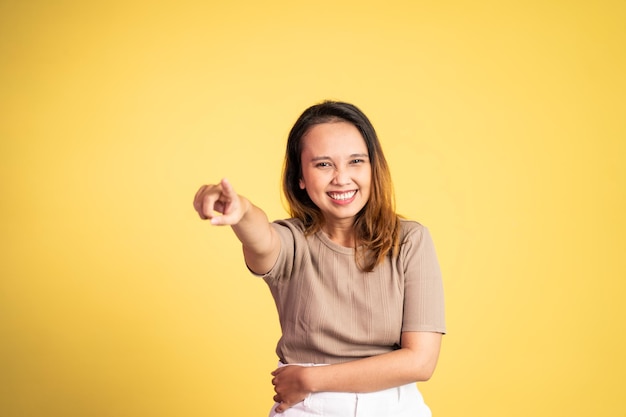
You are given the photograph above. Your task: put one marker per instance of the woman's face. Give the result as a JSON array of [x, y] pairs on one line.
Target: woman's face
[[336, 170]]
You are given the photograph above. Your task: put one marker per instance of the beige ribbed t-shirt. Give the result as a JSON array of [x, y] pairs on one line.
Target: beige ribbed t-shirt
[[331, 312]]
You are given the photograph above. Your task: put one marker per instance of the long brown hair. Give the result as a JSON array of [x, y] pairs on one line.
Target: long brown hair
[[377, 226]]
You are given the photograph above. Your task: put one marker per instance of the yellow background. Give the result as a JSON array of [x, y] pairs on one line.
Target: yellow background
[[504, 124]]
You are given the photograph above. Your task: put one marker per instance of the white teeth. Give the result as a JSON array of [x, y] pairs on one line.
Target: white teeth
[[342, 196]]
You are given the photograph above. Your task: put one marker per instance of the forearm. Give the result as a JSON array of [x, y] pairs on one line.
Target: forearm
[[367, 375], [414, 362], [252, 229], [259, 241]]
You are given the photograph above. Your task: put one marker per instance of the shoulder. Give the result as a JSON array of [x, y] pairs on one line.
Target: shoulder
[[414, 236], [290, 230], [293, 225], [415, 241], [411, 229]]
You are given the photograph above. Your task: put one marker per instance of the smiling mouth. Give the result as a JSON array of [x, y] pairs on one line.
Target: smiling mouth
[[342, 196]]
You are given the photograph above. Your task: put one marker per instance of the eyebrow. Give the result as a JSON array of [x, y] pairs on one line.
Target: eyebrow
[[324, 157]]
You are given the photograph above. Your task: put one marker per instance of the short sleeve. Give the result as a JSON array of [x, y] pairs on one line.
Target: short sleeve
[[423, 286], [284, 263]]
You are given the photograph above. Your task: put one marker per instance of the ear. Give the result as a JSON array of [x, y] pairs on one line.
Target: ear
[[302, 186]]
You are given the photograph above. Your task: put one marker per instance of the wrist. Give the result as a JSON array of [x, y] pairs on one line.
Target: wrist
[[245, 205], [311, 379]]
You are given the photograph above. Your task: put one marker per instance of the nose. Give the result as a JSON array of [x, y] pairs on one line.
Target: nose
[[341, 177]]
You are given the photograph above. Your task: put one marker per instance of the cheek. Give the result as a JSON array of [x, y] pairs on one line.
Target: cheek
[[313, 181], [366, 178]]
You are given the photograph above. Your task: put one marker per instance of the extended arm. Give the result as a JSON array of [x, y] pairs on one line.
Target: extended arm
[[414, 361], [260, 243]]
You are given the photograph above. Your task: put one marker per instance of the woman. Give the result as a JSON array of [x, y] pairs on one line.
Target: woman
[[357, 288]]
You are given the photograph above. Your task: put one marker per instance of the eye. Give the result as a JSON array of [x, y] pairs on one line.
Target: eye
[[322, 164], [357, 161]]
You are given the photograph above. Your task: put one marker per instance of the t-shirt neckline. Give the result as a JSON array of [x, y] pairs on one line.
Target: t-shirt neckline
[[332, 245]]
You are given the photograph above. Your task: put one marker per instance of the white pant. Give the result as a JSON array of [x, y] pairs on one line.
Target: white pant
[[404, 401]]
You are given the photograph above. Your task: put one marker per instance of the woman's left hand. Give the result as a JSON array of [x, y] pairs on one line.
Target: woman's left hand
[[290, 386]]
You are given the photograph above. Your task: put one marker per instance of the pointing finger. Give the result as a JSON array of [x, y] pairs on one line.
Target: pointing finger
[[228, 189]]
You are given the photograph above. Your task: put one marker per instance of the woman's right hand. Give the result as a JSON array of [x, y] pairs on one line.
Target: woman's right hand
[[219, 198], [261, 244]]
